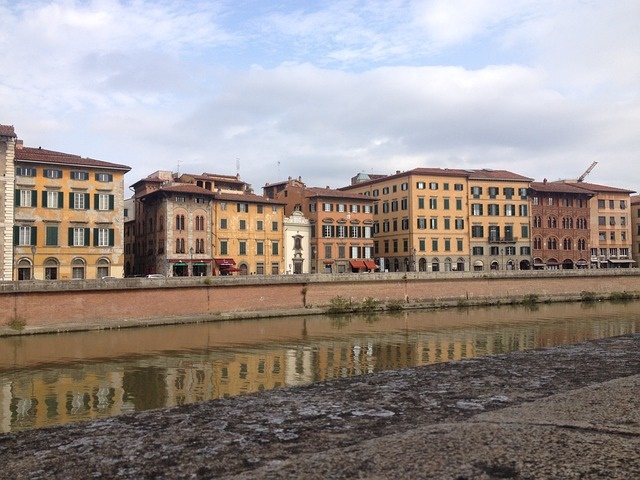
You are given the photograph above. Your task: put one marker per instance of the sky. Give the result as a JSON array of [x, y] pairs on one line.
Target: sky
[[324, 90]]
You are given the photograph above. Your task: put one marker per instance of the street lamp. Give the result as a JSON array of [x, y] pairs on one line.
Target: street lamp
[[33, 262], [502, 253], [191, 253], [415, 269]]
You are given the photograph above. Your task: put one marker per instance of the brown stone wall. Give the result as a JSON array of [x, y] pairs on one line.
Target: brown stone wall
[[141, 299]]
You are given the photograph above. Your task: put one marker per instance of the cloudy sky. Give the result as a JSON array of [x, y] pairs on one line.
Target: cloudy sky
[[327, 89]]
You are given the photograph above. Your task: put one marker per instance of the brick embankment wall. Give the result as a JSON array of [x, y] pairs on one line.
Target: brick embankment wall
[[110, 303]]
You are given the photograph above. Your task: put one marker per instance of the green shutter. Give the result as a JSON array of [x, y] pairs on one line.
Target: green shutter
[[111, 202], [95, 236], [71, 236], [34, 198], [87, 235], [96, 201], [112, 237], [17, 198], [87, 198], [34, 236], [51, 236], [44, 200], [16, 234], [72, 204], [60, 200]]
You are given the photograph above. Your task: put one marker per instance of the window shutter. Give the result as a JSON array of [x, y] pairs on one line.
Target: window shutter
[[17, 198], [87, 235], [71, 202], [96, 201], [111, 202], [112, 237], [71, 236], [60, 200], [34, 198], [16, 234], [87, 199], [34, 235], [44, 200], [95, 237]]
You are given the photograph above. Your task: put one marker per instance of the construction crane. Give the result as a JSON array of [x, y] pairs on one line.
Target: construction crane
[[587, 172]]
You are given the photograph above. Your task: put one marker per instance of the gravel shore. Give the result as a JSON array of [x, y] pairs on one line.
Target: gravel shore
[[563, 412]]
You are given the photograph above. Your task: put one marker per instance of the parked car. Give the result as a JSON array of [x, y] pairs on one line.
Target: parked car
[[155, 275]]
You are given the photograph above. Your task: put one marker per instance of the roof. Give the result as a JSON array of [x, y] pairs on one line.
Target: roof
[[333, 193], [246, 197], [7, 131], [558, 187], [635, 199], [40, 155], [483, 174], [601, 188]]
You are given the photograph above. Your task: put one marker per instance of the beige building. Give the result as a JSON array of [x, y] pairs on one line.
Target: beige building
[[67, 215], [7, 178], [297, 243]]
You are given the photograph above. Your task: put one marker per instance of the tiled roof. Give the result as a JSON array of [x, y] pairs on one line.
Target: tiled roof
[[635, 199], [7, 131], [246, 197], [40, 155], [558, 187], [333, 193], [486, 174], [189, 188], [601, 188]]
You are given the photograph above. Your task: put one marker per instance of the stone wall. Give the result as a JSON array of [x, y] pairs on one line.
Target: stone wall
[[115, 301]]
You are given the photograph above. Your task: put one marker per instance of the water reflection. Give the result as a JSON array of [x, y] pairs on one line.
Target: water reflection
[[53, 379]]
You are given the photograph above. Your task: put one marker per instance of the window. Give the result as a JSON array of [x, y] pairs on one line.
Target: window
[[525, 250], [476, 209], [26, 198], [422, 245], [421, 203], [242, 207], [199, 223], [493, 192], [103, 237], [259, 225], [223, 224], [53, 199], [394, 205], [327, 207], [433, 186], [476, 192], [459, 224], [355, 208], [341, 231], [523, 192], [312, 207], [327, 231], [224, 247], [612, 204], [179, 245], [260, 248], [523, 210], [509, 210], [25, 172], [623, 204], [458, 187], [447, 223], [446, 203], [404, 204], [524, 231], [447, 244], [75, 175], [478, 250], [405, 224], [52, 173], [80, 201], [274, 226], [433, 203], [243, 224], [458, 204], [385, 207], [421, 185], [78, 237], [601, 204], [493, 209], [179, 222], [200, 200], [508, 192], [51, 236], [366, 208], [385, 190], [422, 223], [535, 201], [275, 248], [25, 235], [104, 177], [341, 207], [259, 208], [104, 201], [223, 206], [242, 247], [404, 186], [355, 232], [433, 223], [477, 231]]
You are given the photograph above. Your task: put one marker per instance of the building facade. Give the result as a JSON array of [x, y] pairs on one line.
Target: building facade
[[341, 226], [200, 225], [297, 243], [7, 187], [560, 225], [635, 229], [68, 216]]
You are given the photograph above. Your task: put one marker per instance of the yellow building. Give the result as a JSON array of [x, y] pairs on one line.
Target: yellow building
[[68, 216], [635, 228], [199, 225], [440, 219], [610, 221]]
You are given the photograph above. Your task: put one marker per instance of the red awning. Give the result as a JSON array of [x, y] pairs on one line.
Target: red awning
[[224, 262], [357, 263], [371, 265]]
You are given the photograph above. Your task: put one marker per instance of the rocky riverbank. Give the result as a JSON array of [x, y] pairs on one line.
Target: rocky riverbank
[[563, 412]]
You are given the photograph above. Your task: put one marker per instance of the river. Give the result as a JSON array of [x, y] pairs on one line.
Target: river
[[58, 378]]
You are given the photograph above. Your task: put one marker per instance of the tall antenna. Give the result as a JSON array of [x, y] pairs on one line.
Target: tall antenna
[[237, 165]]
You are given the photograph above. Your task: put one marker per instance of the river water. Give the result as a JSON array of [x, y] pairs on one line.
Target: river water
[[54, 379]]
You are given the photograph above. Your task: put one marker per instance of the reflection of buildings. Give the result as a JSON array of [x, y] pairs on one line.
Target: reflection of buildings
[[45, 397]]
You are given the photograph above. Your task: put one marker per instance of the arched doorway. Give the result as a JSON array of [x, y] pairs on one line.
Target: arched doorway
[[25, 269], [422, 264], [243, 268], [525, 265], [460, 266], [103, 268], [447, 264], [435, 265]]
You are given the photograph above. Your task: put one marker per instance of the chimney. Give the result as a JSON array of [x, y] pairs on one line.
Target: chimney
[[19, 144]]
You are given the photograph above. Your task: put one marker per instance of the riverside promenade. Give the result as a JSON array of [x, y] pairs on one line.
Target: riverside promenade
[[565, 412]]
